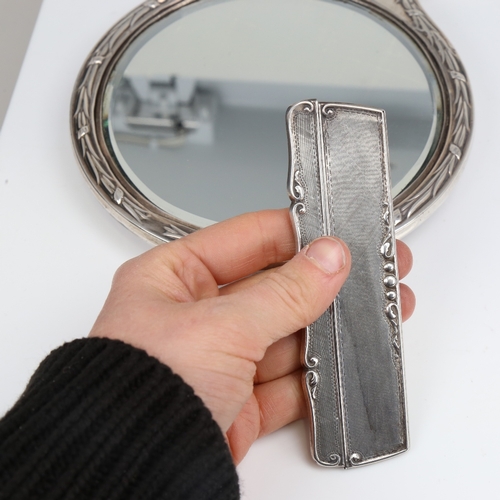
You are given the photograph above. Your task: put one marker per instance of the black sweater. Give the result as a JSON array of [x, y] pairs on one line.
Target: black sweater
[[103, 420]]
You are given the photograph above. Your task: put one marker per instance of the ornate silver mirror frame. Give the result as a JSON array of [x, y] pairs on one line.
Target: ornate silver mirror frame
[[121, 198]]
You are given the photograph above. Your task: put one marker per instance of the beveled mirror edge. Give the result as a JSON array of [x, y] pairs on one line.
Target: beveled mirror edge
[[120, 197]]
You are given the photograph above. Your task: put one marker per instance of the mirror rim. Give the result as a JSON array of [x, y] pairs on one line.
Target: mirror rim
[[130, 207]]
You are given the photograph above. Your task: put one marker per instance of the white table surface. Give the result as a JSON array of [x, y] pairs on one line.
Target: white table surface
[[59, 249]]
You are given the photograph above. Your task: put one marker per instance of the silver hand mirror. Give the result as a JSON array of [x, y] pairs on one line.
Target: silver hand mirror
[[178, 122], [178, 112]]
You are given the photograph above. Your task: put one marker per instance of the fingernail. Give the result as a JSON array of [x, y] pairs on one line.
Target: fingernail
[[328, 254]]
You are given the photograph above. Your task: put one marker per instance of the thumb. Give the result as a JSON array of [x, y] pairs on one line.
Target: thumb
[[297, 293]]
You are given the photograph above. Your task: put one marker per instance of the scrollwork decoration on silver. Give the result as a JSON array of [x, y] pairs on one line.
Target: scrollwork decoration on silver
[[391, 283]]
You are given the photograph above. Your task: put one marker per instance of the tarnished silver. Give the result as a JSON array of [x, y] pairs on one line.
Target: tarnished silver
[[339, 185], [132, 208]]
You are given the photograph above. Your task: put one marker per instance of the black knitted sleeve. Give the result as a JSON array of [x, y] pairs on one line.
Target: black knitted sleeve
[[103, 420]]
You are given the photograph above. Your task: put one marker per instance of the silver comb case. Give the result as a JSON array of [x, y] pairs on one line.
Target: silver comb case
[[339, 184]]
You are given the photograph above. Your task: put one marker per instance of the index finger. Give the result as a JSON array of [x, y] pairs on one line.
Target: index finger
[[240, 246]]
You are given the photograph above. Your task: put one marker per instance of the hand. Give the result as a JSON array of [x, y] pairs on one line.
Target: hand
[[236, 345]]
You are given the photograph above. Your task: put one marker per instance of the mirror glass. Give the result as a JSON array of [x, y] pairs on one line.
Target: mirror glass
[[195, 110]]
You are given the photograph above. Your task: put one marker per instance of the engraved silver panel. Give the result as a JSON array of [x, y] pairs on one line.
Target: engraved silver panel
[[339, 185]]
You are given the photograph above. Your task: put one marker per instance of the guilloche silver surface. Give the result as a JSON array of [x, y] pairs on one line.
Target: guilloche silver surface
[[339, 185]]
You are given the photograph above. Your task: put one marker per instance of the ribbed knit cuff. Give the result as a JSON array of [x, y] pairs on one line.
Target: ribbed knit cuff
[[103, 420]]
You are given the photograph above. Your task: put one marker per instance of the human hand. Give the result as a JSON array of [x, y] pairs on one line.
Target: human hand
[[237, 346]]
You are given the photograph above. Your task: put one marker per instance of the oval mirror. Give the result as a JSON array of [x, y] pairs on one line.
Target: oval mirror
[[179, 112]]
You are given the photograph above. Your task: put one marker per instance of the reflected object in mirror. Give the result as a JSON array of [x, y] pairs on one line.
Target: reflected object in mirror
[[187, 119]]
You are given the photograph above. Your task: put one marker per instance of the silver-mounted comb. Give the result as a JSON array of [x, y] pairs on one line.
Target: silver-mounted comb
[[339, 184]]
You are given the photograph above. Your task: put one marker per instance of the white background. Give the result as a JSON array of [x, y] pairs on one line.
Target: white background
[[59, 249]]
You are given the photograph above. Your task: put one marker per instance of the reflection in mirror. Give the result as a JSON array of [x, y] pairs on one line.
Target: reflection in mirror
[[195, 109]]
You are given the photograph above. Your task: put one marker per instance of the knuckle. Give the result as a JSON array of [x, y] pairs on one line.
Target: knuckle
[[124, 272], [129, 275]]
